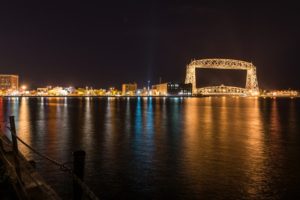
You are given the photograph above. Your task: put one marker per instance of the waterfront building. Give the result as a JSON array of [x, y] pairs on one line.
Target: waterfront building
[[58, 91], [165, 89], [281, 93], [160, 89], [9, 82], [129, 89], [42, 91]]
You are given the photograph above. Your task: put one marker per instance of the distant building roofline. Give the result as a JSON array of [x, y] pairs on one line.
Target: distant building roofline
[[9, 75]]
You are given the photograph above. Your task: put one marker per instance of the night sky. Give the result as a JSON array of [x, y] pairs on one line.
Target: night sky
[[108, 43]]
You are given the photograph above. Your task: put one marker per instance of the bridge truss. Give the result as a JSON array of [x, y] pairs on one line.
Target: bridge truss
[[222, 90], [251, 87]]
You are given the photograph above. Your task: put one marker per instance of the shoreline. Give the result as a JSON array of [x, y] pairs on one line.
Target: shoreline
[[170, 96]]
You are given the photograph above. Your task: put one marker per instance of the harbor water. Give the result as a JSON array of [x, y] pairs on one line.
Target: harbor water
[[165, 148]]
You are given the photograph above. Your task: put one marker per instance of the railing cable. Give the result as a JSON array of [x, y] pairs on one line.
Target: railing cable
[[64, 168]]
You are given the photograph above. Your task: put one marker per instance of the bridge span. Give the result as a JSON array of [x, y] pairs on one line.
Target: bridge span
[[222, 90]]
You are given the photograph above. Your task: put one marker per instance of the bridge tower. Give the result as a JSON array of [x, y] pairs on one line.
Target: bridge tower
[[191, 77], [251, 80]]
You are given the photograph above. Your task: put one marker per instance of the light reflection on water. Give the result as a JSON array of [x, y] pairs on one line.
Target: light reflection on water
[[157, 148]]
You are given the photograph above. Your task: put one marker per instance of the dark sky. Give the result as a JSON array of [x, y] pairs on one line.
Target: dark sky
[[105, 44]]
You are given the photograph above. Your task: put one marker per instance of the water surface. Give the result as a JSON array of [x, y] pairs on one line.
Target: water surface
[[166, 148]]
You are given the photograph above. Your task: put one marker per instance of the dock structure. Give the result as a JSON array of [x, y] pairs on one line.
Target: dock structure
[[27, 183], [21, 177]]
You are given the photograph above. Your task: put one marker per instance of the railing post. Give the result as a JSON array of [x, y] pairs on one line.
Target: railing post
[[78, 168], [1, 144], [15, 146]]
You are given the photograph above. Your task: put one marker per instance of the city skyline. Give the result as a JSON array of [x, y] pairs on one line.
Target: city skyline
[[102, 45], [149, 100]]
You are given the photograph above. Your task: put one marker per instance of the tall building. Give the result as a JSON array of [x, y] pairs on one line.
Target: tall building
[[129, 89], [9, 82]]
